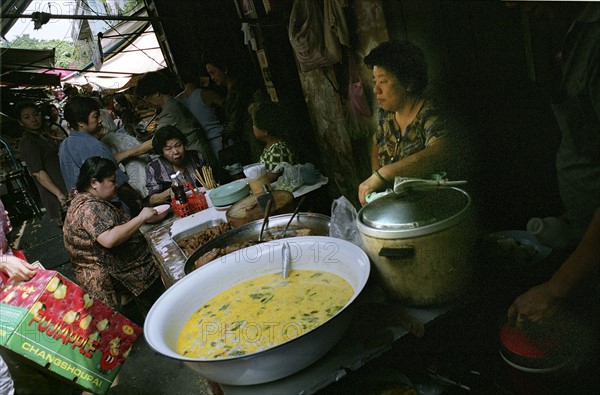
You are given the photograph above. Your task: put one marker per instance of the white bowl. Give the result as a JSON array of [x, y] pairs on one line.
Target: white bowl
[[172, 310], [163, 208], [162, 211]]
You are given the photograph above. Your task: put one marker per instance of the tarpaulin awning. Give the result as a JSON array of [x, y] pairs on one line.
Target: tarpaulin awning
[[130, 48], [21, 67], [22, 59]]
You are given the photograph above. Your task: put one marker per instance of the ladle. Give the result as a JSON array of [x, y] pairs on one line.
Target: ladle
[[265, 219], [282, 235], [286, 259]]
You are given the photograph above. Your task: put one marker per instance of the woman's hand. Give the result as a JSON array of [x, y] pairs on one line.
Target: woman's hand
[[147, 213], [371, 184], [537, 305], [16, 268]]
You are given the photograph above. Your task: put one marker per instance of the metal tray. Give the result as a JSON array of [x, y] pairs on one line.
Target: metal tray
[[318, 223], [192, 231]]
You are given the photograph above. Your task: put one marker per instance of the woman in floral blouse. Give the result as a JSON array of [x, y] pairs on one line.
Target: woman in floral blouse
[[410, 140], [269, 127], [110, 257]]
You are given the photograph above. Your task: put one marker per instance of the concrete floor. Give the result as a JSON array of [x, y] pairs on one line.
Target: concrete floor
[[144, 372]]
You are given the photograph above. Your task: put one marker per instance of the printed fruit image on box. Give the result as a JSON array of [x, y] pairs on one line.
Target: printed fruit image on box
[[53, 322]]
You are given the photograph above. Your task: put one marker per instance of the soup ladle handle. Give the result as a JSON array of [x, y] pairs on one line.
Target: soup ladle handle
[[286, 258]]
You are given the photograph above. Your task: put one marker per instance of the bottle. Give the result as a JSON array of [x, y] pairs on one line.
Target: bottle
[[551, 232], [177, 188]]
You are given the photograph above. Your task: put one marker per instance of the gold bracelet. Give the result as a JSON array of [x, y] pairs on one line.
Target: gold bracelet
[[385, 182]]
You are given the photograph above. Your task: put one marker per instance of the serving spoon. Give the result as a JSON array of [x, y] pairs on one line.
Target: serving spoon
[[265, 220], [282, 235], [286, 258]]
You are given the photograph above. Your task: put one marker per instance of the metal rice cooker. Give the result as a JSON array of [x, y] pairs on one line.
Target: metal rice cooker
[[421, 242]]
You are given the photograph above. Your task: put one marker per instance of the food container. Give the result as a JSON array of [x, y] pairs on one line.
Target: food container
[[170, 312], [317, 223], [195, 230], [534, 363], [421, 242]]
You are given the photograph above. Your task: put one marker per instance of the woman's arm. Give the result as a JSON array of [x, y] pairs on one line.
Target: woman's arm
[[432, 159], [541, 302], [374, 156], [121, 233], [154, 186], [160, 197], [143, 148]]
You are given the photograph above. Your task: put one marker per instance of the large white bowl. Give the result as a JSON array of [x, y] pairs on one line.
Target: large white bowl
[[168, 315]]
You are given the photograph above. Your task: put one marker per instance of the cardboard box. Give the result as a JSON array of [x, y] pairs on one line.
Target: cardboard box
[[53, 322]]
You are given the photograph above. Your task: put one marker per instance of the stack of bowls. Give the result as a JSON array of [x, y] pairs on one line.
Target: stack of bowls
[[228, 194]]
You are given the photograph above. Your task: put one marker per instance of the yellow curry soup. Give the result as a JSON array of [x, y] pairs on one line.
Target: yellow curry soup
[[263, 312]]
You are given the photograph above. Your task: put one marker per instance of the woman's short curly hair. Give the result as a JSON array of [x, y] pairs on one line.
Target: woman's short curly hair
[[164, 134], [404, 60], [270, 117]]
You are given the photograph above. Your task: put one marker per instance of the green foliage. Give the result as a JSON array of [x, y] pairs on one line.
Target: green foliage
[[74, 55], [68, 55]]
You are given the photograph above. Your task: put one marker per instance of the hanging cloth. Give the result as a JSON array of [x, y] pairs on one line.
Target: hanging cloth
[[336, 26], [306, 33]]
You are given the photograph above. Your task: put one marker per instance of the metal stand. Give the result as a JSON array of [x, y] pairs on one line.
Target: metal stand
[[14, 176]]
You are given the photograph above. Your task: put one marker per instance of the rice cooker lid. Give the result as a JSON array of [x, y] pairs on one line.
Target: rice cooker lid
[[419, 212]]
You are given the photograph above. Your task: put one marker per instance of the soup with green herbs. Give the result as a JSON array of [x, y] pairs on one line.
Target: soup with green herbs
[[263, 312]]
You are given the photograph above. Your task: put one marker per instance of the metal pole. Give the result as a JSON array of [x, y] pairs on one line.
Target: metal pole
[[85, 17]]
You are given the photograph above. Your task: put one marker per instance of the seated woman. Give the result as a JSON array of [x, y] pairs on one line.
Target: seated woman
[[110, 257], [269, 126], [410, 140], [169, 142]]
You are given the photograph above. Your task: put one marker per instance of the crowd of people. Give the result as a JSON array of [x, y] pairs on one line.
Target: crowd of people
[[91, 154], [99, 172]]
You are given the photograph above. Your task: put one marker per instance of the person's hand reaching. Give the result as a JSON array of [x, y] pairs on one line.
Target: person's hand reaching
[[537, 306], [16, 268]]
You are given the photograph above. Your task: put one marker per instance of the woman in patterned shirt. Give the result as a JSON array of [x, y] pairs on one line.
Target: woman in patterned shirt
[[169, 143], [110, 257], [269, 127], [409, 140]]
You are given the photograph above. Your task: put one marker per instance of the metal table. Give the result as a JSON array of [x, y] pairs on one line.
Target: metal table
[[352, 352]]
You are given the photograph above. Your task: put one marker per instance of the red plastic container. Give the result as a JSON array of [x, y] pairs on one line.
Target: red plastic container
[[535, 364], [196, 202]]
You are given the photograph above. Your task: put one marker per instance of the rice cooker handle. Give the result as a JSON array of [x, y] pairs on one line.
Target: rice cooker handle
[[398, 252]]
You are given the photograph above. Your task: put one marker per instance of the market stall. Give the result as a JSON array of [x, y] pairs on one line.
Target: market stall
[[356, 346]]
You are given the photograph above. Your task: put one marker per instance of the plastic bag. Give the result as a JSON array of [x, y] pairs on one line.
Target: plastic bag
[[357, 109], [343, 221], [291, 179], [356, 92]]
